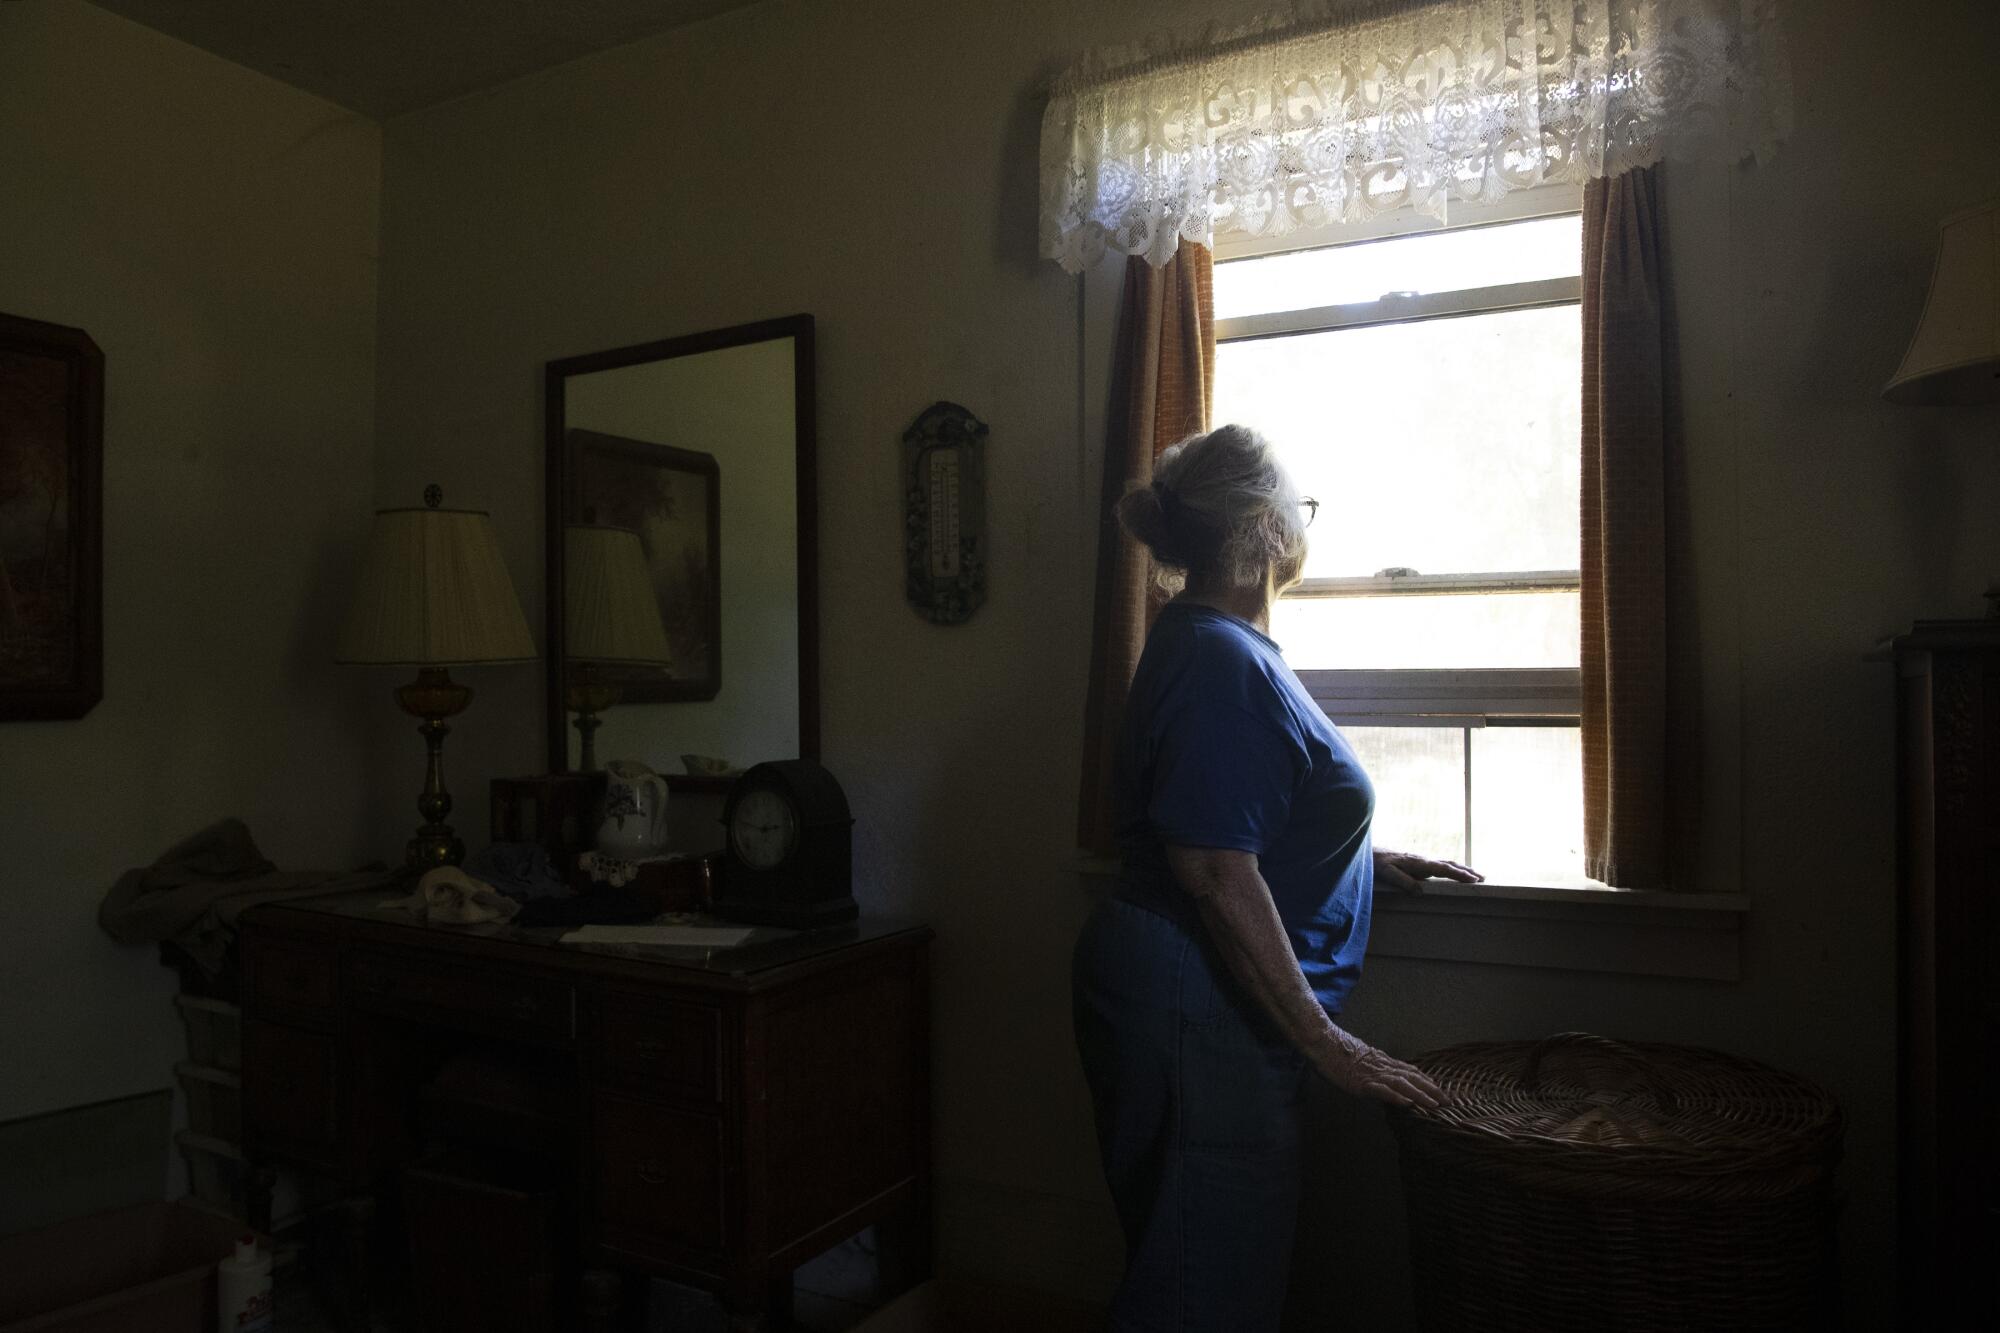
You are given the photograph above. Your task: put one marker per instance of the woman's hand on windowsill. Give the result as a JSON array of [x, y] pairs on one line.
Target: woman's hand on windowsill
[[1405, 873]]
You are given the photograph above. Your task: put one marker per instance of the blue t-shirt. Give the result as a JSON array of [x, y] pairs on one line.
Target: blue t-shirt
[[1223, 747]]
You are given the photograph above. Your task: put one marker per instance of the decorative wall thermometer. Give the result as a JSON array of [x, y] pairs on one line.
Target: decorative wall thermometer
[[944, 520]]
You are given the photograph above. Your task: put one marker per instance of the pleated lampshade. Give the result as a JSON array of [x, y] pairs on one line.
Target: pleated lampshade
[[610, 612], [433, 591], [1955, 356]]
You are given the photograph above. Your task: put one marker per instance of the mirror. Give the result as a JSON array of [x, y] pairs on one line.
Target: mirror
[[702, 446]]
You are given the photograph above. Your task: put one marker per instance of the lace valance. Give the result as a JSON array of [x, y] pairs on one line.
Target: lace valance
[[1339, 112]]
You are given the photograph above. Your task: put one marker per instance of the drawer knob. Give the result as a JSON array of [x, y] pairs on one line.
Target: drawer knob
[[651, 1172]]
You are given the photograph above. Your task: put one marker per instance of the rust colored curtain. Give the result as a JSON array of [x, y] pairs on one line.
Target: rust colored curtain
[[1162, 383], [1639, 718]]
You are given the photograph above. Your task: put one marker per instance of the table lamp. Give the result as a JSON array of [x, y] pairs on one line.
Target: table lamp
[[611, 617], [433, 594], [1955, 356]]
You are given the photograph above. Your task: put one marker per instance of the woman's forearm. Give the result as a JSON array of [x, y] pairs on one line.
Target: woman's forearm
[[1243, 923]]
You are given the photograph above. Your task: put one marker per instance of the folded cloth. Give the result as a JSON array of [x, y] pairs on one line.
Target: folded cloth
[[193, 894], [447, 896]]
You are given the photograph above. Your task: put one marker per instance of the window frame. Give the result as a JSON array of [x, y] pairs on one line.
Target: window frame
[[1459, 698], [1400, 307]]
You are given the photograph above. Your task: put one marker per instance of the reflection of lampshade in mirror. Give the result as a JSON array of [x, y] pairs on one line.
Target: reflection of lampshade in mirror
[[609, 611], [610, 617], [433, 593], [1955, 355]]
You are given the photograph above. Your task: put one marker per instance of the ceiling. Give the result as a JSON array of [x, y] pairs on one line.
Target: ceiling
[[383, 57]]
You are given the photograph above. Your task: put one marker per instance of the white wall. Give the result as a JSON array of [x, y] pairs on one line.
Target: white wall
[[215, 232]]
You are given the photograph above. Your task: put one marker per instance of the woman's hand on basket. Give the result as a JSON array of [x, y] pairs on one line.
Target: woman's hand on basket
[[1405, 873], [1366, 1071]]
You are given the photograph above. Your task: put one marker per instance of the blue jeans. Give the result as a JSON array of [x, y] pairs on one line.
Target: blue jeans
[[1200, 1110]]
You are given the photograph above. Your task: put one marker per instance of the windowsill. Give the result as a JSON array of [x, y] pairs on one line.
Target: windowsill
[[1694, 935], [1593, 896], [1628, 931]]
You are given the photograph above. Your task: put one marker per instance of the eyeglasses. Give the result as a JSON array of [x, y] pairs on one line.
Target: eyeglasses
[[1311, 506]]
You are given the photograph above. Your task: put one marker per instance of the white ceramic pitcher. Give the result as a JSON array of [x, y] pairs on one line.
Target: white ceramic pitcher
[[634, 824]]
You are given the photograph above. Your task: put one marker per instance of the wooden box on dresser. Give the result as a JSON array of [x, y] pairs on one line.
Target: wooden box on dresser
[[726, 1114], [1948, 983]]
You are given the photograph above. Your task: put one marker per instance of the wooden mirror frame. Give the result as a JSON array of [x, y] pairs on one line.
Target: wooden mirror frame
[[799, 328]]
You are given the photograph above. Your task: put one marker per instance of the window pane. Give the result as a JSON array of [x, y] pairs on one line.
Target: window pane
[[1448, 446], [1419, 777], [1518, 629], [1442, 261], [1527, 805]]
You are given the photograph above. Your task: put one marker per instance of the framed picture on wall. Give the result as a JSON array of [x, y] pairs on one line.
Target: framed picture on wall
[[672, 498], [51, 550]]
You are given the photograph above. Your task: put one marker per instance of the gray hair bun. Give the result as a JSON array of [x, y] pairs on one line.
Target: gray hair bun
[[1142, 511], [1219, 505]]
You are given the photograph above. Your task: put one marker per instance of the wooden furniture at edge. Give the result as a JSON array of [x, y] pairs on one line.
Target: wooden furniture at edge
[[737, 1112], [1948, 989]]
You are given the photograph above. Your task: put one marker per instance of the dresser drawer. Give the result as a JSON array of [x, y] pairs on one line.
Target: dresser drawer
[[495, 1000], [291, 1091], [657, 1177], [669, 1046], [290, 974]]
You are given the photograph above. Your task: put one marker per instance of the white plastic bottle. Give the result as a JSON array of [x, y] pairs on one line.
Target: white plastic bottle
[[243, 1289]]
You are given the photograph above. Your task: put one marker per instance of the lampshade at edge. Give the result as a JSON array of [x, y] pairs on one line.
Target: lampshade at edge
[[1954, 355]]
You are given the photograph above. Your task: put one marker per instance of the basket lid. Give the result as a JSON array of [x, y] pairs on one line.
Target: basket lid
[[1591, 1103]]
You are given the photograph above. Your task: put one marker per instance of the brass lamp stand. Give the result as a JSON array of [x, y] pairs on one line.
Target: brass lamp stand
[[434, 696], [587, 696]]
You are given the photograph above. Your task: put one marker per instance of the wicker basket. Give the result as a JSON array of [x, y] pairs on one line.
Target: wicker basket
[[1583, 1183]]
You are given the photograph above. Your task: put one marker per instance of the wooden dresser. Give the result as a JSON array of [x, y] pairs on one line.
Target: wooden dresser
[[727, 1114], [1948, 986]]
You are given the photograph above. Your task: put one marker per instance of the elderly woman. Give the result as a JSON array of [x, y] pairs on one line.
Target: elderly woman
[[1207, 987]]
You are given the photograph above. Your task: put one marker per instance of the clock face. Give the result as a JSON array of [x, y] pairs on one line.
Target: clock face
[[764, 829]]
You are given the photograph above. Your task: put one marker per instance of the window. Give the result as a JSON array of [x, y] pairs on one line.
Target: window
[[1425, 390]]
